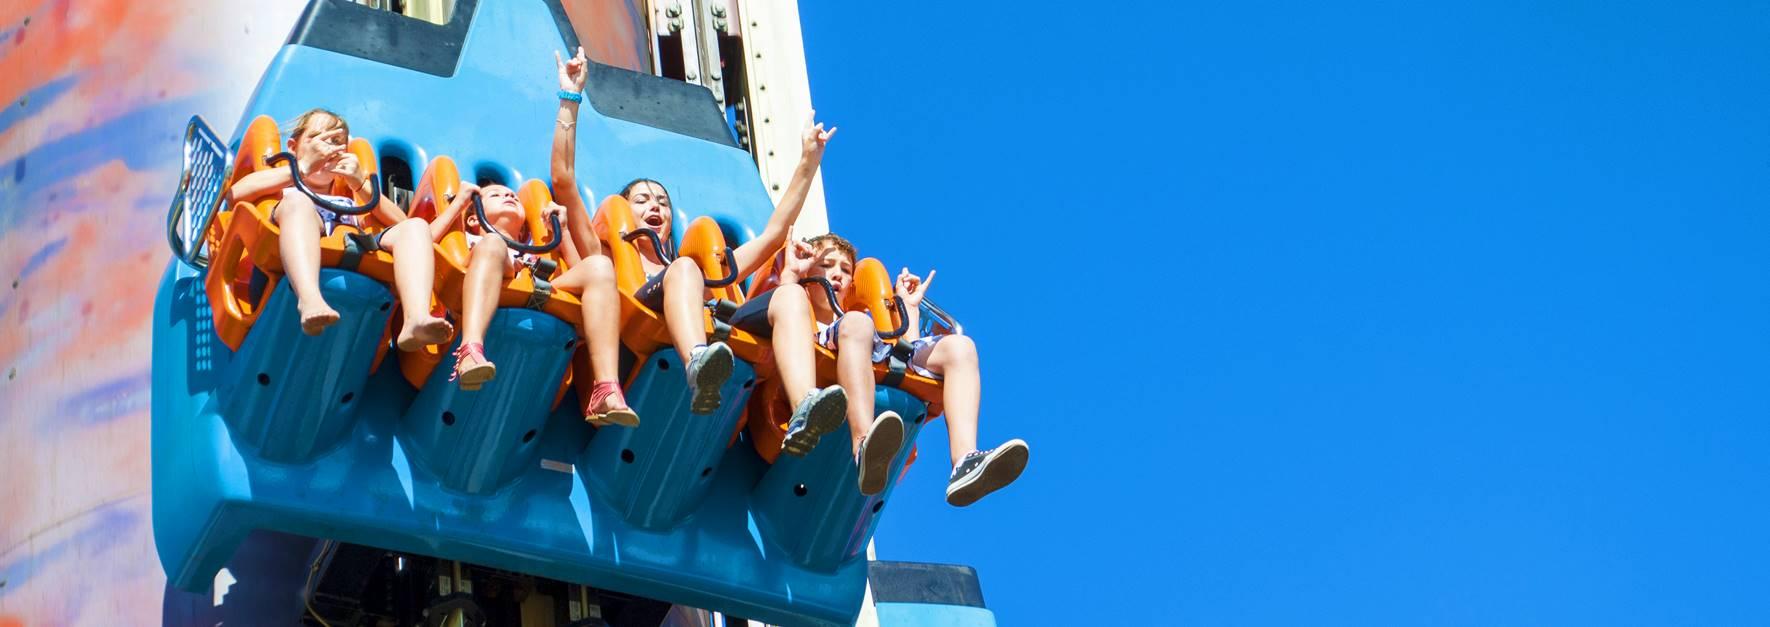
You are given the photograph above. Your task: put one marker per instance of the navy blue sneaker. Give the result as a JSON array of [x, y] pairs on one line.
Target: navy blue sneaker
[[819, 413], [880, 445], [708, 369], [983, 472]]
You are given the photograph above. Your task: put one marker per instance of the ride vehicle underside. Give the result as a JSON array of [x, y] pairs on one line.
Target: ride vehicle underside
[[391, 496]]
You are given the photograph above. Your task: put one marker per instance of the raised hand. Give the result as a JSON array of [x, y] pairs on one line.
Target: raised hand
[[911, 288], [816, 138], [346, 165], [801, 258], [325, 154], [573, 72]]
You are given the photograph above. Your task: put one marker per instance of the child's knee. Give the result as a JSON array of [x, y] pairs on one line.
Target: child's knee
[[292, 204], [410, 230], [957, 349], [856, 328], [599, 269], [682, 269], [789, 299], [488, 250]]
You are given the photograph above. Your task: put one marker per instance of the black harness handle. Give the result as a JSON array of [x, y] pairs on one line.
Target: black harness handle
[[731, 275], [479, 208], [829, 290], [903, 321], [349, 210], [657, 242]]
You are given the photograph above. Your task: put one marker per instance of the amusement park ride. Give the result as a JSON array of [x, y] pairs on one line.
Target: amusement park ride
[[363, 479]]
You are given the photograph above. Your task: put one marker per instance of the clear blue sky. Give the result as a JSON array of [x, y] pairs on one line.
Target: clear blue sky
[[1373, 313]]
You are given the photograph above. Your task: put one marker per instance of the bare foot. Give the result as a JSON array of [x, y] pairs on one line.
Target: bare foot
[[316, 319], [426, 331]]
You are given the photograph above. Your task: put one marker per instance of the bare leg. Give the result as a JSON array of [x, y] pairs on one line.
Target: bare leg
[[955, 360], [854, 370], [789, 313], [479, 289], [815, 411], [299, 244], [684, 286], [593, 282], [414, 271]]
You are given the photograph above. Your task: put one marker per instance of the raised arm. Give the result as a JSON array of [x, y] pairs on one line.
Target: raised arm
[[439, 226], [572, 74], [568, 249], [910, 291], [346, 165], [750, 256], [272, 179]]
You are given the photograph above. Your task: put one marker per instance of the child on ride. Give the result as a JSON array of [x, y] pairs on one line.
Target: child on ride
[[789, 312], [591, 276], [676, 289], [318, 140]]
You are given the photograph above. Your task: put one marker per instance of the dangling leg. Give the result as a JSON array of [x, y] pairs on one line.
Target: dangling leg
[[789, 315], [854, 370], [709, 366], [818, 411], [414, 271], [684, 286], [486, 267], [593, 281], [299, 243], [875, 441], [975, 473]]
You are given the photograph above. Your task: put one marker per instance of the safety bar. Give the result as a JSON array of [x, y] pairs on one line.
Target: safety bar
[[657, 241], [933, 317], [829, 290], [349, 210], [903, 321], [199, 195], [479, 208], [731, 275]]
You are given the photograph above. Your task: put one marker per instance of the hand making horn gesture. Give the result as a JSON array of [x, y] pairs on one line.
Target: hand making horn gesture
[[572, 72], [816, 138], [911, 288]]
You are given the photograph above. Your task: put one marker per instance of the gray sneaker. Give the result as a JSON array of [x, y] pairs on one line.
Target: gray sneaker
[[983, 472], [708, 369], [880, 445], [819, 413]]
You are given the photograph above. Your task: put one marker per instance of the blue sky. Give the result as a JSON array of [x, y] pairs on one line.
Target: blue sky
[[1370, 313]]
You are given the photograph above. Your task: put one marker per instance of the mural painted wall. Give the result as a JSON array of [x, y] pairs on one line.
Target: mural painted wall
[[96, 95]]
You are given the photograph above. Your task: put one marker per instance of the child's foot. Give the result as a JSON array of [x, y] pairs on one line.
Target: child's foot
[[428, 330], [316, 318], [819, 413], [983, 472], [608, 407], [877, 448], [708, 369], [472, 369]]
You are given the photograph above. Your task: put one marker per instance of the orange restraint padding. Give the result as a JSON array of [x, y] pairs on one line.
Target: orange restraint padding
[[873, 291], [643, 331], [243, 237], [438, 185]]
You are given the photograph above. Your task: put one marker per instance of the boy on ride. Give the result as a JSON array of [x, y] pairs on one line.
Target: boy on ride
[[796, 317]]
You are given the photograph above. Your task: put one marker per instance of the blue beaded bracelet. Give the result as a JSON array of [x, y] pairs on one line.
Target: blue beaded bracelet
[[571, 95]]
